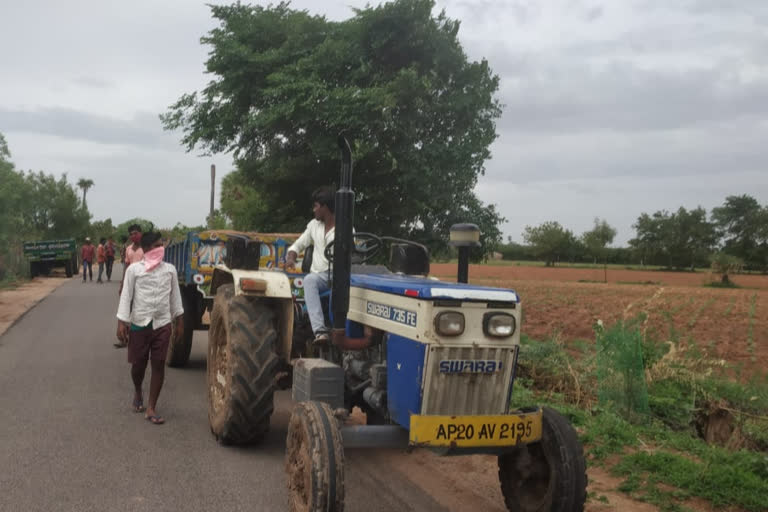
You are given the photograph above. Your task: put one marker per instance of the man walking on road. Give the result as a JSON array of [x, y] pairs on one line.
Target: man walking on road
[[110, 253], [87, 254], [101, 258], [152, 286], [133, 252]]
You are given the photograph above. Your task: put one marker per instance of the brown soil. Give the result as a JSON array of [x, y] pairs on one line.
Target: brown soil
[[527, 273], [17, 301], [730, 324], [471, 482]]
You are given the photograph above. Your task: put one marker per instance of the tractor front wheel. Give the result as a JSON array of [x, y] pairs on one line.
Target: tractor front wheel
[[549, 474], [314, 459]]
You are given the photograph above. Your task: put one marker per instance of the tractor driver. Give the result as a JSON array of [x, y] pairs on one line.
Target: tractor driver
[[319, 233]]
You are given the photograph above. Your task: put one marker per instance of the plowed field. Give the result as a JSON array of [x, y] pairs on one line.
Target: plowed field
[[731, 324]]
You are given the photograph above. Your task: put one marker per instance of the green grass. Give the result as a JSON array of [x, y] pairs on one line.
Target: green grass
[[660, 456], [719, 284], [650, 454]]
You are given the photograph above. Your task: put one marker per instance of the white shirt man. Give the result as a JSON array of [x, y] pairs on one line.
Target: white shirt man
[[319, 232]]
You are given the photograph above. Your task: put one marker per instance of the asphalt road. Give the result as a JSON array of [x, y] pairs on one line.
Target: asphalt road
[[70, 442]]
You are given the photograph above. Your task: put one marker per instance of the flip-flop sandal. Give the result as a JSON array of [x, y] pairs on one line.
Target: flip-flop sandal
[[155, 420], [119, 345], [138, 405]]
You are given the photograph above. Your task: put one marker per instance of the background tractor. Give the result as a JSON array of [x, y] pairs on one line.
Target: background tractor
[[431, 363]]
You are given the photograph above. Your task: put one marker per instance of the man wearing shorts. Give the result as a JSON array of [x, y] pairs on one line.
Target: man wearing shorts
[[152, 286]]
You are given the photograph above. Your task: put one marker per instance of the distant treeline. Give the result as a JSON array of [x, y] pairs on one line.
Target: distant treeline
[[734, 234]]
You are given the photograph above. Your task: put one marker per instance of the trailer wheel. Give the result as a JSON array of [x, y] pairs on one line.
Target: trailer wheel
[[33, 270], [241, 367], [314, 460], [549, 474], [179, 350]]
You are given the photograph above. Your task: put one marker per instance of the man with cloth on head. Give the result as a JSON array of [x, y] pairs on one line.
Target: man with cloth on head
[[152, 286]]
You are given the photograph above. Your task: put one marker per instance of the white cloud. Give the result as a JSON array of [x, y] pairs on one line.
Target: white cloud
[[612, 108]]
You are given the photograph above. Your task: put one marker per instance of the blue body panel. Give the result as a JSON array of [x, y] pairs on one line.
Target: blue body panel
[[405, 372], [178, 254], [422, 287]]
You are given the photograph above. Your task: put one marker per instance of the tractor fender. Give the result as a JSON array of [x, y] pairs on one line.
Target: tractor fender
[[270, 286], [274, 284]]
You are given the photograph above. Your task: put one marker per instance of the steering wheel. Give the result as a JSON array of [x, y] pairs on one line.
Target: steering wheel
[[365, 246]]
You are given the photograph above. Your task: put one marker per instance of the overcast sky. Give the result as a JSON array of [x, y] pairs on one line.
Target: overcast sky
[[611, 108]]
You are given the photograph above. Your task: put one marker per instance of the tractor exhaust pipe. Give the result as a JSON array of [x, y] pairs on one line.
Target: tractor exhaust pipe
[[464, 237], [342, 245]]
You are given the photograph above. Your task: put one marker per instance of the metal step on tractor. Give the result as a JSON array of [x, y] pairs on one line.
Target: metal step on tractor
[[430, 363]]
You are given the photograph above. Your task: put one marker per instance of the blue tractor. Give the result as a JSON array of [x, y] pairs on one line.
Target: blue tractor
[[431, 363]]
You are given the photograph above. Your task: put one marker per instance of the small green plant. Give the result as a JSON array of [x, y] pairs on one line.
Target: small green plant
[[698, 312], [729, 308], [750, 329]]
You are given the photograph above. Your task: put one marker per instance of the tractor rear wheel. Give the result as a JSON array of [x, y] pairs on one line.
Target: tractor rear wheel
[[549, 474], [241, 367], [68, 269], [179, 349], [314, 459]]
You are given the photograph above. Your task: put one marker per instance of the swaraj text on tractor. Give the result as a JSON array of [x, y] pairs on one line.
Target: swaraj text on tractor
[[431, 363]]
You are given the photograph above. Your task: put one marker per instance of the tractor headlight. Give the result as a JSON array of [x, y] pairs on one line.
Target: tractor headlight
[[449, 323], [499, 325]]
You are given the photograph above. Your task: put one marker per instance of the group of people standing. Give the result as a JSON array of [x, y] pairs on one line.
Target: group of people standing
[[104, 254]]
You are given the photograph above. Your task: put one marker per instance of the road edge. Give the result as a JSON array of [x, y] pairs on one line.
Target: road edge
[[44, 293]]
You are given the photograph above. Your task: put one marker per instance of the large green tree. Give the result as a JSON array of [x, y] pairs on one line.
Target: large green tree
[[420, 114], [550, 241], [54, 210], [677, 240], [743, 223]]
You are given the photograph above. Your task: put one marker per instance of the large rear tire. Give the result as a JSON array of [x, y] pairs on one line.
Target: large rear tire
[[241, 367], [68, 269], [179, 349], [33, 270], [314, 460], [548, 475]]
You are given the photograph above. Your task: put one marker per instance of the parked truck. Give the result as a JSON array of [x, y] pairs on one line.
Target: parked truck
[[45, 255], [195, 258]]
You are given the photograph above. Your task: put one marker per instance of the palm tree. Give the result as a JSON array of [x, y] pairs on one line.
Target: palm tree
[[84, 184]]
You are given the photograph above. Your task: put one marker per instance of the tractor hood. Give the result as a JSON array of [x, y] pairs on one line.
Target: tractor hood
[[424, 288]]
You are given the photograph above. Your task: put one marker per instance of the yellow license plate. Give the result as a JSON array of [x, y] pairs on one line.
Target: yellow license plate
[[475, 431]]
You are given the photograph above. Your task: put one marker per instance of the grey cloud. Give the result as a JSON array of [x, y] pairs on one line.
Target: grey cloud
[[703, 151], [143, 130], [93, 82], [593, 13], [625, 97]]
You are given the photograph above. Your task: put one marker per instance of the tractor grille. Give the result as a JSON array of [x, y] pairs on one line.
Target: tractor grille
[[467, 393]]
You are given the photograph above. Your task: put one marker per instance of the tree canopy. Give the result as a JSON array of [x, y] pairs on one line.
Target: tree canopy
[[420, 114], [743, 224], [598, 238], [679, 239], [550, 241]]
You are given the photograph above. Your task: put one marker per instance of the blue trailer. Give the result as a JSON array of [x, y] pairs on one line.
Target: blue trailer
[[195, 258]]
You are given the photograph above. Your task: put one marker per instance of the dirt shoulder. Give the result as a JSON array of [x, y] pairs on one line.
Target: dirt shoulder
[[14, 303]]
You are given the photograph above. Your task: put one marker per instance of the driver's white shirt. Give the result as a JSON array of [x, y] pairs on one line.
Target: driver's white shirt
[[315, 235]]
